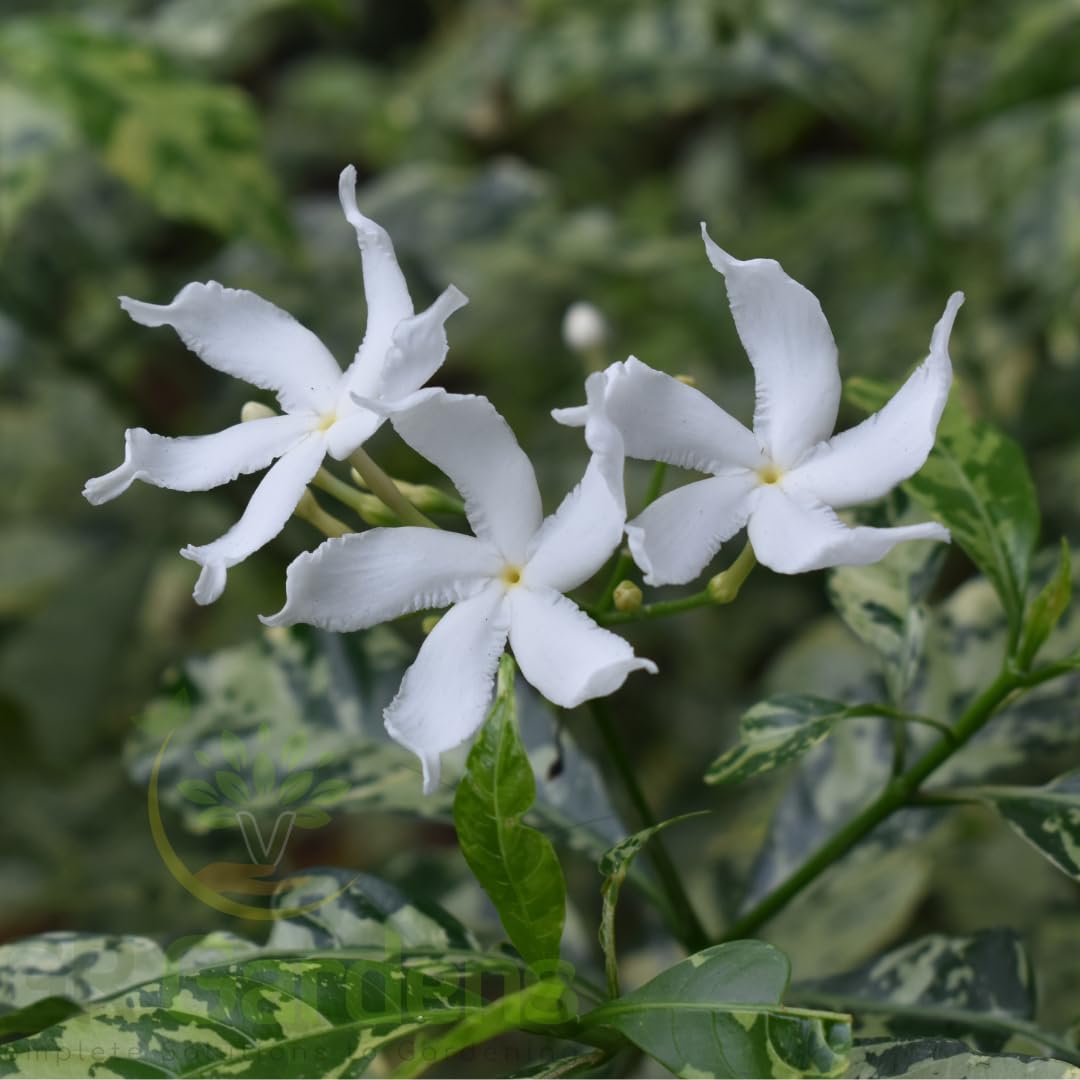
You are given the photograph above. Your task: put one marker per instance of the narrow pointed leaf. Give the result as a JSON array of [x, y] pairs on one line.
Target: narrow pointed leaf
[[1046, 609], [615, 865], [515, 864], [776, 732]]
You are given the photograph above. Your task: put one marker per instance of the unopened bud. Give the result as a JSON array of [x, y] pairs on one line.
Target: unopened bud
[[627, 596], [429, 622], [428, 499], [584, 328], [723, 588], [373, 511], [255, 410], [688, 379]]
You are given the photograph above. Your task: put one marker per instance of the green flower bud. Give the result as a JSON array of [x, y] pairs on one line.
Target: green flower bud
[[627, 596]]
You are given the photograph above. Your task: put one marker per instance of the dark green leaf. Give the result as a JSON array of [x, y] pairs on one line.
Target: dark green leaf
[[233, 786], [720, 1013], [36, 1017], [776, 732], [295, 787], [515, 864], [1046, 609], [615, 865], [976, 482]]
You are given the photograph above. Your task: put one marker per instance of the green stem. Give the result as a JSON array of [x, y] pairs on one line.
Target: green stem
[[656, 485], [309, 510], [688, 928], [344, 493], [660, 610], [385, 488], [897, 794]]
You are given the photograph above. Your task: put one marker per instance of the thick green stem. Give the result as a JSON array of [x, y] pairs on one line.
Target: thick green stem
[[385, 488], [900, 792], [687, 928], [309, 510]]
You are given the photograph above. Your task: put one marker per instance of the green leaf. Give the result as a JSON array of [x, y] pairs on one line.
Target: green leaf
[[720, 1013], [776, 732], [36, 1017], [199, 792], [1047, 817], [914, 1059], [263, 773], [233, 750], [295, 787], [515, 864], [1046, 609], [233, 786], [311, 817], [537, 1005], [615, 865], [974, 987], [976, 482]]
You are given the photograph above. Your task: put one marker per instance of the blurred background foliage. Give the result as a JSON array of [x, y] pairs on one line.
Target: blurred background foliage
[[535, 153]]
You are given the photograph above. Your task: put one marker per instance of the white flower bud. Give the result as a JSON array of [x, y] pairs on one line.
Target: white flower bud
[[584, 327], [255, 410]]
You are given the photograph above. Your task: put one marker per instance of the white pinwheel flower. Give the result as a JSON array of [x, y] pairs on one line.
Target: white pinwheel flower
[[241, 334], [785, 479], [506, 582]]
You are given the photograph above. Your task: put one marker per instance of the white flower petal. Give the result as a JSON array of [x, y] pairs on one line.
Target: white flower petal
[[351, 432], [563, 653], [579, 537], [674, 539], [447, 691], [662, 419], [198, 462], [788, 340], [364, 579], [244, 335], [270, 506], [465, 437], [791, 535], [419, 347], [872, 458], [385, 290]]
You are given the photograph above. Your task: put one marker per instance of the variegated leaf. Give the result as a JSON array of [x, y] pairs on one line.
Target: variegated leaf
[[1047, 817], [915, 1059], [312, 1015], [720, 1013], [615, 865], [776, 732], [976, 482], [971, 987]]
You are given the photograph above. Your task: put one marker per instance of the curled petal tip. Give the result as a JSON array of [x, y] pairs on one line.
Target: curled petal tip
[[574, 416], [211, 582], [279, 618]]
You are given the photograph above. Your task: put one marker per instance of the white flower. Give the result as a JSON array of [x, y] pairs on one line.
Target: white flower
[[584, 328], [505, 582], [784, 479], [241, 334]]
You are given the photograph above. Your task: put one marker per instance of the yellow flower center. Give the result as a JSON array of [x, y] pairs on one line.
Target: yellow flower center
[[328, 421], [510, 575], [770, 474]]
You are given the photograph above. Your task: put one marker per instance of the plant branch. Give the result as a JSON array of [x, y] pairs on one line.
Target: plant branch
[[687, 928], [900, 792], [385, 488]]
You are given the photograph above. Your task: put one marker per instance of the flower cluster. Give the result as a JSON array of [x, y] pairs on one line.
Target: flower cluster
[[782, 481]]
